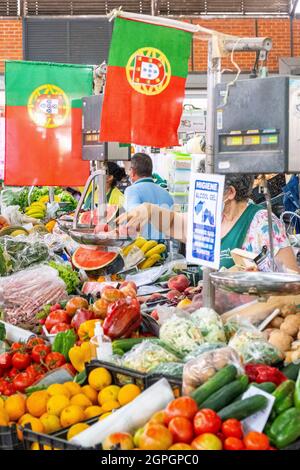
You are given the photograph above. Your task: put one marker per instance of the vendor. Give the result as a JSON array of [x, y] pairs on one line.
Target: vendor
[[113, 195], [244, 224]]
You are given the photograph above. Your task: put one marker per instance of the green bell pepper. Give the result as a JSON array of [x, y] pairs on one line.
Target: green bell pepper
[[284, 396], [63, 342], [286, 428], [297, 392]]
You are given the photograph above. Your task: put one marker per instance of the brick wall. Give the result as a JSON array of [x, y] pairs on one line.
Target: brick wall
[[277, 29], [10, 40]]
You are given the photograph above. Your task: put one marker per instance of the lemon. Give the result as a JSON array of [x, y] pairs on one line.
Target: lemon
[[91, 393], [92, 411], [110, 405], [128, 393], [105, 415], [71, 415], [108, 393], [56, 404], [58, 389], [51, 423], [72, 387], [99, 378], [81, 400], [76, 429]]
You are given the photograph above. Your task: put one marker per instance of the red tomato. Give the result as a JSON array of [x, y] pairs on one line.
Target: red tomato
[[55, 360], [34, 342], [232, 428], [5, 360], [59, 316], [17, 346], [3, 383], [22, 381], [233, 443], [207, 421], [38, 377], [40, 352], [256, 441], [21, 360], [181, 430], [34, 370], [9, 389], [221, 436], [12, 373], [59, 327], [185, 407], [207, 441]]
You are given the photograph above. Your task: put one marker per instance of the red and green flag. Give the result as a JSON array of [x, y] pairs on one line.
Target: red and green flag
[[43, 123], [145, 83]]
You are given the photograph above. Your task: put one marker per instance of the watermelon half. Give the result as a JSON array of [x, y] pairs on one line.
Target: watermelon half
[[97, 262], [86, 217]]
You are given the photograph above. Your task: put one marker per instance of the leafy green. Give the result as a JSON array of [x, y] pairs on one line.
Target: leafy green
[[2, 332], [67, 274]]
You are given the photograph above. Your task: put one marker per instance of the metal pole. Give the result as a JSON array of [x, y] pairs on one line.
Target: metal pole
[[213, 77], [270, 220]]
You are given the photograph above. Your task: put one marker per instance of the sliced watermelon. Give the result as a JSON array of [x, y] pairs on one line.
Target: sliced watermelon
[[111, 212], [97, 262]]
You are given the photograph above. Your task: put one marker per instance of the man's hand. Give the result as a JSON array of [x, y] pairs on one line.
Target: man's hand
[[135, 219]]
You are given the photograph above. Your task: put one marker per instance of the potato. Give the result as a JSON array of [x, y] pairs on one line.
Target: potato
[[276, 322], [280, 340], [288, 310], [220, 360], [291, 325], [268, 332], [298, 335], [206, 374]]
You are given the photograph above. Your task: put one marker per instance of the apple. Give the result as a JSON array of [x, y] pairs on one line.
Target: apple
[[154, 314], [100, 308], [173, 294], [179, 282], [110, 294]]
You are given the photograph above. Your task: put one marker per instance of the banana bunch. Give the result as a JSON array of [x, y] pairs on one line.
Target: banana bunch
[[36, 210], [151, 250]]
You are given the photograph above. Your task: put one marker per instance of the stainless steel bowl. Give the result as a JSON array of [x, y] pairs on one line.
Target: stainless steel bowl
[[257, 283]]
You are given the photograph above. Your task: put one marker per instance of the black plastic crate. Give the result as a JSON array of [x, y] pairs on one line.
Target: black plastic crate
[[9, 438]]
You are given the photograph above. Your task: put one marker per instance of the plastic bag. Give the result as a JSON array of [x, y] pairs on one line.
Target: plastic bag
[[236, 323], [147, 355], [23, 294], [165, 313], [172, 369], [205, 347], [181, 334], [210, 324], [20, 252], [197, 371], [253, 347], [16, 217]]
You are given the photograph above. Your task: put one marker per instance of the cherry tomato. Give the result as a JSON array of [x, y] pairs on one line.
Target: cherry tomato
[[59, 316], [17, 347], [9, 389], [34, 342], [12, 373], [21, 360], [34, 370], [256, 441], [59, 327], [55, 360], [5, 360], [40, 352], [181, 430], [3, 383], [232, 428], [185, 407], [233, 443], [22, 381], [207, 421], [38, 377]]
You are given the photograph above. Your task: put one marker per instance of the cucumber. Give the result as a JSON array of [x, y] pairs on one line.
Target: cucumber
[[127, 344], [118, 351], [225, 395], [243, 408], [268, 387], [221, 378], [291, 371]]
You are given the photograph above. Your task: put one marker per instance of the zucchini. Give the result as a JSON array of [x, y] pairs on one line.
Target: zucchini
[[291, 371], [243, 408], [221, 378], [225, 395], [268, 387], [127, 344]]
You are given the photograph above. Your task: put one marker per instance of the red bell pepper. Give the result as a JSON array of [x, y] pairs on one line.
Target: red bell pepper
[[123, 318], [260, 373]]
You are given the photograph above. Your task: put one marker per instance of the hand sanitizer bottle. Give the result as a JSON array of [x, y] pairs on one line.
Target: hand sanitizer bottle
[[104, 349]]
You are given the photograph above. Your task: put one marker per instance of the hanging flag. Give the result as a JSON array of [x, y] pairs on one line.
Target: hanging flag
[[43, 123], [145, 83]]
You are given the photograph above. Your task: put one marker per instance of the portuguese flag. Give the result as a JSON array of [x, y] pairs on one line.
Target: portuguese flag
[[145, 83], [43, 123]]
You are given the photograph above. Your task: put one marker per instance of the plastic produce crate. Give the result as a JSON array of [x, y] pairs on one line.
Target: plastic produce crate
[[9, 438]]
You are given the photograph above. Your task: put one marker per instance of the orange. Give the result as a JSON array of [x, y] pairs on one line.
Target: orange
[[72, 387], [35, 424], [15, 405], [91, 393], [37, 403], [71, 415], [51, 423], [99, 378], [76, 429], [81, 400], [92, 411], [56, 404], [104, 415], [128, 393], [58, 389], [4, 419], [110, 405], [108, 393]]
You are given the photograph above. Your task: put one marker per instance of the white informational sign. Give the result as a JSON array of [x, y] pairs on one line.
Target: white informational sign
[[257, 421], [204, 219]]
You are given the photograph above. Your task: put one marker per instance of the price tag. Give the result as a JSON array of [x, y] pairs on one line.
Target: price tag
[[257, 421]]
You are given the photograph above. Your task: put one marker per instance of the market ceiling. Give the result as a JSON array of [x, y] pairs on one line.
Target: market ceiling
[[161, 7]]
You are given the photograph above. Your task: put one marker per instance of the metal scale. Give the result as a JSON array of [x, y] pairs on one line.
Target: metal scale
[[254, 128], [98, 154]]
